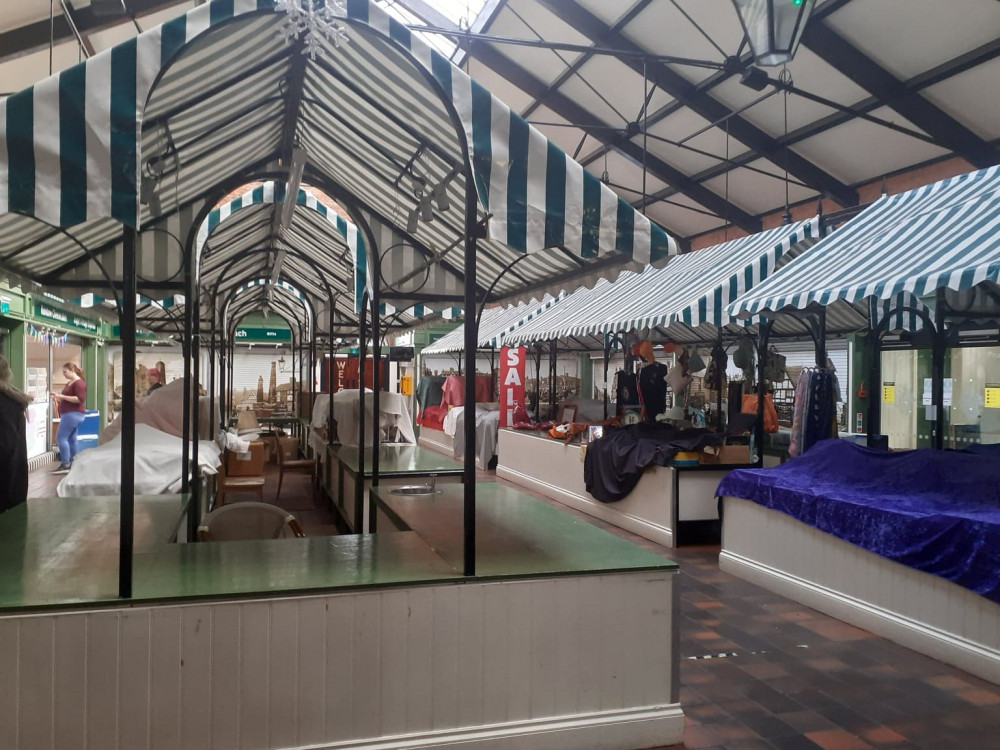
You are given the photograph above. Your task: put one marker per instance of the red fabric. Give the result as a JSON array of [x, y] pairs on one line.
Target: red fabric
[[433, 417], [484, 389], [453, 391], [77, 388]]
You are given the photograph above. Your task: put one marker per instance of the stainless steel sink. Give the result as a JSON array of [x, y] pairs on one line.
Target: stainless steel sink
[[414, 489]]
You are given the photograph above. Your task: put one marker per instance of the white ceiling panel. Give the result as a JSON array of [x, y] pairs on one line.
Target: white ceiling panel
[[971, 99], [621, 86], [908, 37], [511, 95], [759, 193], [662, 29], [623, 171], [682, 216], [29, 69], [858, 151], [609, 12], [565, 138], [679, 126]]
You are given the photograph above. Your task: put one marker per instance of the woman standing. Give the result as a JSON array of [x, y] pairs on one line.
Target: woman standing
[[71, 412], [13, 445]]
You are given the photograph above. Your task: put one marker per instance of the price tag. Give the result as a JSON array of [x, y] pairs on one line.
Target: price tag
[[889, 393], [992, 396]]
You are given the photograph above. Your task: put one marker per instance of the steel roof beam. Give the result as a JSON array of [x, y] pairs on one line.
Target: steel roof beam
[[35, 36], [834, 50], [578, 114], [706, 106]]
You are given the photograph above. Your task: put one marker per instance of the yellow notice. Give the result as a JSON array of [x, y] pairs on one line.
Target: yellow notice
[[889, 393], [992, 396]]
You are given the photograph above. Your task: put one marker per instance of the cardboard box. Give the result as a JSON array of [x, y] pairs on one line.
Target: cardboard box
[[249, 464], [726, 454]]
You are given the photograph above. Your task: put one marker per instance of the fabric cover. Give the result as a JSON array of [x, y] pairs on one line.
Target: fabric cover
[[164, 410], [448, 424], [394, 415], [614, 464], [487, 432], [158, 467], [936, 511]]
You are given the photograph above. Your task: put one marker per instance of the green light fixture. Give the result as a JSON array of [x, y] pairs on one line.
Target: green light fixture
[[773, 27]]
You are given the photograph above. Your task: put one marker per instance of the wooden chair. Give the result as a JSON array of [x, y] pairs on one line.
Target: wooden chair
[[225, 484], [248, 521], [236, 475], [294, 464]]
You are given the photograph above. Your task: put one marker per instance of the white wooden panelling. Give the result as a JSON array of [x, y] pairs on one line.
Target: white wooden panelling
[[556, 471], [436, 440], [532, 663], [920, 611]]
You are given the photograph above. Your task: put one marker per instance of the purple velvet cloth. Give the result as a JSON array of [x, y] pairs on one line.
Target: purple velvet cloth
[[936, 511]]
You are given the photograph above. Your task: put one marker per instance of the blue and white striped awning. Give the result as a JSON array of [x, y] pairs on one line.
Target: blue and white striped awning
[[693, 291], [71, 147], [902, 248], [496, 325]]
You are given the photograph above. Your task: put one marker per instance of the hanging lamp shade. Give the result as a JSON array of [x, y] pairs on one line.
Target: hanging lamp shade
[[773, 27]]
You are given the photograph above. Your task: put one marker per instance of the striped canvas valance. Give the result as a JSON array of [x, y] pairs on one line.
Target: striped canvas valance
[[496, 324], [945, 235], [69, 146], [693, 290]]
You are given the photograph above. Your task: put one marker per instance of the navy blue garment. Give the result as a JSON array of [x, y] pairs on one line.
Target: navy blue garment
[[614, 464], [13, 454], [936, 511]]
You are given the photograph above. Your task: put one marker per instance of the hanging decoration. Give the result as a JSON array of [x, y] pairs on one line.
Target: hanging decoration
[[47, 336], [312, 21]]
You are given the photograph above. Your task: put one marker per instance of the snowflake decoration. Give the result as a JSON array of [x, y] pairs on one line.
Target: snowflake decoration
[[312, 21]]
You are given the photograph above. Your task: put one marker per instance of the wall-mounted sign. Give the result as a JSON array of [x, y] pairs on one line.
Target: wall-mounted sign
[[400, 353], [250, 333], [992, 396], [889, 393], [65, 319], [4, 305]]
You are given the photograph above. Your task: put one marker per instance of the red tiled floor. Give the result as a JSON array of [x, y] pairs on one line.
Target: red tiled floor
[[837, 739]]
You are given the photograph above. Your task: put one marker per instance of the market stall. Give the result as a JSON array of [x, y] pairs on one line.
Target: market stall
[[925, 264], [681, 306], [133, 148]]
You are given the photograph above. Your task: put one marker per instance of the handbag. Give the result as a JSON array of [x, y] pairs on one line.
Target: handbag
[[749, 406], [774, 366]]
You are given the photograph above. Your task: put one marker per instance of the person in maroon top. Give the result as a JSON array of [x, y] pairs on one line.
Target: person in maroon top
[[71, 412]]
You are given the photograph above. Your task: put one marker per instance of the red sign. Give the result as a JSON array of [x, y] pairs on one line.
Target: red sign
[[512, 361]]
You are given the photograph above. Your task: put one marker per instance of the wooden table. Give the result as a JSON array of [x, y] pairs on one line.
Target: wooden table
[[399, 464]]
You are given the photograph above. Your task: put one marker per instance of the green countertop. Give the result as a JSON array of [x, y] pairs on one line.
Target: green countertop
[[516, 535], [59, 552], [397, 460]]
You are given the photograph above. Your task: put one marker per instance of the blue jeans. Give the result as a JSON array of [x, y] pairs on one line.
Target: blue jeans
[[69, 423]]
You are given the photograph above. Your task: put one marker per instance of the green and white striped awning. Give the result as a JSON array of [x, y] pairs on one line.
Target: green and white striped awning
[[496, 325], [75, 147], [691, 293], [902, 248]]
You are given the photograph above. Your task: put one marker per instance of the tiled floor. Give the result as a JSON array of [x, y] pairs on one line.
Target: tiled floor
[[760, 671]]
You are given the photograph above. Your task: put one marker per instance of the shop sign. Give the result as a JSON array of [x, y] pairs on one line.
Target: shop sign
[[512, 367], [888, 393], [992, 396], [263, 334], [4, 305], [66, 319]]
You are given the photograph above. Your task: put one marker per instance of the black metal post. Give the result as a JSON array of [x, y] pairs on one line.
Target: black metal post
[[126, 324], [764, 335], [376, 395], [471, 344], [609, 341], [538, 382], [940, 345], [874, 384], [720, 370], [194, 507], [359, 483], [189, 314], [821, 355], [553, 355]]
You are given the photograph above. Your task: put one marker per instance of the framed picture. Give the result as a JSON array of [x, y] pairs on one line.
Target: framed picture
[[567, 414], [595, 432]]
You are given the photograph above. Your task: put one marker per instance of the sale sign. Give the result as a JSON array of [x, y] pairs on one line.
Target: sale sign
[[512, 365]]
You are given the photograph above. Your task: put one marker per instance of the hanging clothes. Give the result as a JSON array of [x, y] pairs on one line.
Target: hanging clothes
[[626, 389], [428, 391], [453, 391], [484, 388], [814, 416], [653, 390]]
